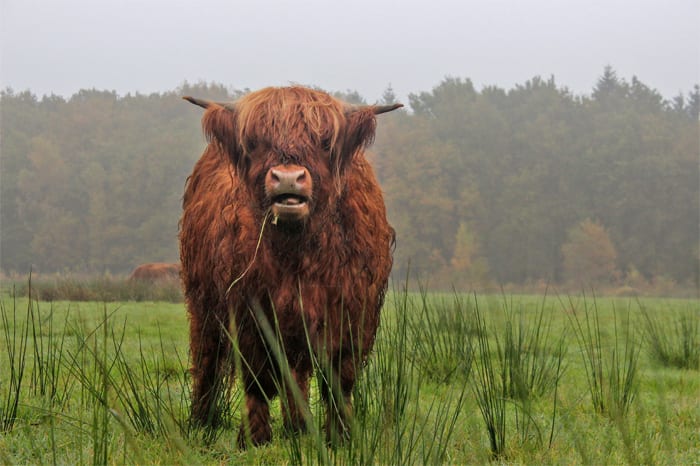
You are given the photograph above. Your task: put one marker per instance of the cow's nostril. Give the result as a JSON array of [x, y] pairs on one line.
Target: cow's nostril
[[274, 174]]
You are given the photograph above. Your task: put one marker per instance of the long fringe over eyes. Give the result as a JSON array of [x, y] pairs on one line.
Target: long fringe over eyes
[[295, 119]]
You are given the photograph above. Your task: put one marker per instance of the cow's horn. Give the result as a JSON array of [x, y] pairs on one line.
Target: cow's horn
[[208, 103], [379, 109]]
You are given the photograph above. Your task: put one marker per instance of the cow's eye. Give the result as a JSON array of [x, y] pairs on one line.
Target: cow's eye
[[326, 144], [251, 145]]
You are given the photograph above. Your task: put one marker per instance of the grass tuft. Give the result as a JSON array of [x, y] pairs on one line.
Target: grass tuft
[[490, 388], [533, 358], [441, 333], [516, 363], [611, 371], [673, 341]]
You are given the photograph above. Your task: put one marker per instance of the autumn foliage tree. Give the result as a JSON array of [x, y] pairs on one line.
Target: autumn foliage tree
[[589, 256], [468, 268]]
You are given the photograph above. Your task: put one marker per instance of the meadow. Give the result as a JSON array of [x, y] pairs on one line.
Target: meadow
[[454, 379]]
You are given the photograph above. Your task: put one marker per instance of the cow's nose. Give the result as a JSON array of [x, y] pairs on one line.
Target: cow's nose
[[287, 179]]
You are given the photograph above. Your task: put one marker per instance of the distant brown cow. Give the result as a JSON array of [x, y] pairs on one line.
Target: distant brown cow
[[154, 272], [283, 224]]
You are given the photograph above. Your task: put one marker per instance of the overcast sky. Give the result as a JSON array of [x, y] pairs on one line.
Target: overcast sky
[[61, 46]]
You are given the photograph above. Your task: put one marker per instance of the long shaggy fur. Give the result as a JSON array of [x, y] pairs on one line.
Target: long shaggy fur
[[323, 282]]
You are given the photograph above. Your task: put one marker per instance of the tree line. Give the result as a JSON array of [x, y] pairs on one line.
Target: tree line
[[522, 185]]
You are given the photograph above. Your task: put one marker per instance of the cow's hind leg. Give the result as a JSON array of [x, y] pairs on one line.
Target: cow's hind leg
[[209, 349]]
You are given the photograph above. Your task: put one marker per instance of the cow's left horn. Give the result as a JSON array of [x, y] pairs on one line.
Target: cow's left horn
[[379, 109], [208, 103]]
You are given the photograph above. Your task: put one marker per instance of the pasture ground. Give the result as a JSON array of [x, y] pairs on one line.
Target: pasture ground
[[97, 383]]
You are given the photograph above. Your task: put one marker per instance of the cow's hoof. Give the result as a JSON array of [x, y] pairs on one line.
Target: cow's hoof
[[259, 435]]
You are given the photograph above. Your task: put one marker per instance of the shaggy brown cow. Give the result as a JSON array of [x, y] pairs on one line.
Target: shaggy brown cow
[[157, 271], [283, 226]]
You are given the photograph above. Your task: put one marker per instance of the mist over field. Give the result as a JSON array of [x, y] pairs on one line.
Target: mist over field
[[543, 180], [539, 143], [495, 185]]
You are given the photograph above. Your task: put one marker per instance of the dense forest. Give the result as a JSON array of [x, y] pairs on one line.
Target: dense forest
[[522, 185]]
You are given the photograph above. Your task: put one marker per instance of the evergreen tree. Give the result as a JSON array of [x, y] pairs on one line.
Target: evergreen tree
[[389, 97], [693, 107], [609, 86]]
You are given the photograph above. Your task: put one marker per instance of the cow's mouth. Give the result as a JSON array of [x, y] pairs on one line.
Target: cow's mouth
[[290, 207], [289, 200], [288, 188]]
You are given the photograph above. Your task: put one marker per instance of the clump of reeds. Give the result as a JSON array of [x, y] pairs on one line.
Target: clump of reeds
[[673, 339], [441, 332], [515, 363], [611, 369], [16, 338], [533, 358]]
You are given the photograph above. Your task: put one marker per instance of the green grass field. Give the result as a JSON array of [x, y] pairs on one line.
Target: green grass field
[[454, 379]]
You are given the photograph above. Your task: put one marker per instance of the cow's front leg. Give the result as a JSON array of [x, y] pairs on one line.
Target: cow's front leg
[[296, 404], [259, 389], [257, 428], [336, 389]]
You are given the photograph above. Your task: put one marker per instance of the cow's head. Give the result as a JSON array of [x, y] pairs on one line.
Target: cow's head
[[292, 145]]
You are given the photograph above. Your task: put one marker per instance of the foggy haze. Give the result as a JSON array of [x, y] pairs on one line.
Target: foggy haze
[[155, 45]]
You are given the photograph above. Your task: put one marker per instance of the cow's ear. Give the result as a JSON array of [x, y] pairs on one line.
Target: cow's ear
[[360, 126], [220, 128]]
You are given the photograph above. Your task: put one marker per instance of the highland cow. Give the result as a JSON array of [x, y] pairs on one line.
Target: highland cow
[[283, 228], [155, 272]]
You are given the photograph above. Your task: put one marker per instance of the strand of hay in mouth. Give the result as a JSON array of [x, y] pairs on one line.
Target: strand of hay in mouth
[[255, 254]]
